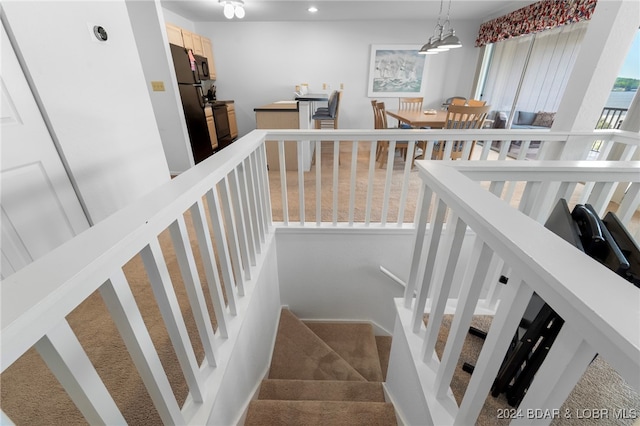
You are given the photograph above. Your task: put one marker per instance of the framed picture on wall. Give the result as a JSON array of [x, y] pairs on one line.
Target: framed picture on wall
[[396, 70]]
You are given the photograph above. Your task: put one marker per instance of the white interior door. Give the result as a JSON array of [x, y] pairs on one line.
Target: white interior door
[[38, 205]]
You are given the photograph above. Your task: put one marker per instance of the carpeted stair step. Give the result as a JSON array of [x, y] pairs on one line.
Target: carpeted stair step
[[308, 413], [354, 342], [321, 390], [300, 354]]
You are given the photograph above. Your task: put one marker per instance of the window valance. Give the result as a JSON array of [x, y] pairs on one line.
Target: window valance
[[540, 16]]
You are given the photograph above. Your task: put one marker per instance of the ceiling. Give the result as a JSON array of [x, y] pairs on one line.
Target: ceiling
[[343, 10]]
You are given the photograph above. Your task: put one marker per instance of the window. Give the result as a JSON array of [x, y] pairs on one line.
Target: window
[[529, 73]]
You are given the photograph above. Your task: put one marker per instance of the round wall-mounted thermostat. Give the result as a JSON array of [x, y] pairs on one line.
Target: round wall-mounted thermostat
[[100, 33]]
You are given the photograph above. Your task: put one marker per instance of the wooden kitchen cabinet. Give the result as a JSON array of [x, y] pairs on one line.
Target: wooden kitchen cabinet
[[187, 39], [207, 49], [174, 34], [211, 125], [233, 123], [197, 44], [200, 45]]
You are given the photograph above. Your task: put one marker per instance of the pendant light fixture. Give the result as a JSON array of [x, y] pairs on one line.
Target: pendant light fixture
[[233, 8], [441, 41]]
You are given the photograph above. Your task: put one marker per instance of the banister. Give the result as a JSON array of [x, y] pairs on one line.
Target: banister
[[33, 302], [534, 251]]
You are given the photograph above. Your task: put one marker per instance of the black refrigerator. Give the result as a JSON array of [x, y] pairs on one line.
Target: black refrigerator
[[192, 99]]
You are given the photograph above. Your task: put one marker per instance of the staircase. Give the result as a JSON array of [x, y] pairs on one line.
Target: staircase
[[324, 374]]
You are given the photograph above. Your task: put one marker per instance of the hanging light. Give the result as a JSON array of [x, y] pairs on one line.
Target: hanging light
[[441, 42], [233, 8], [449, 40]]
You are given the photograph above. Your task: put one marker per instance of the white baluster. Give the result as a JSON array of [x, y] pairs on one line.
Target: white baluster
[[283, 183], [210, 267], [122, 306], [249, 202], [215, 214], [240, 263], [421, 226], [336, 164], [456, 230], [471, 287], [249, 219], [300, 181], [352, 183], [191, 279], [434, 240], [372, 166], [318, 182], [65, 356], [172, 315]]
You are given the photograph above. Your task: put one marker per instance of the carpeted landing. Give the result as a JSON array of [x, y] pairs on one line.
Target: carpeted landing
[[324, 374]]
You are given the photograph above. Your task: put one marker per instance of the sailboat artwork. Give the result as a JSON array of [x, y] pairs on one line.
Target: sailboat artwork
[[396, 71]]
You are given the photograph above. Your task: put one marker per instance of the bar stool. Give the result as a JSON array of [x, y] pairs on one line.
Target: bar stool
[[327, 118]]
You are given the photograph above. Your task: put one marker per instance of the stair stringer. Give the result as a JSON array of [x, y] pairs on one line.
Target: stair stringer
[[410, 382]]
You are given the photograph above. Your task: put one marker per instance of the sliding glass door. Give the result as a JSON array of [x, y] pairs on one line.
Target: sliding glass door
[[529, 73]]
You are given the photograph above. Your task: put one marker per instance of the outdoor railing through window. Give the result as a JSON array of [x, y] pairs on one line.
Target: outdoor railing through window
[[611, 118]]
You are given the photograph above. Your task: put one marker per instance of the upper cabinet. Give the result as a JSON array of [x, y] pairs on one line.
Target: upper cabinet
[[175, 35], [208, 53], [200, 45], [187, 39], [197, 44]]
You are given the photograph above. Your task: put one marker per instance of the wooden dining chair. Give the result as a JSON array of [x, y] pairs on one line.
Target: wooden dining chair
[[458, 101], [409, 104], [474, 102], [382, 149], [461, 117]]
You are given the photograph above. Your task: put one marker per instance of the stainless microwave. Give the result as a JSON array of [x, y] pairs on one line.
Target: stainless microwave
[[202, 68]]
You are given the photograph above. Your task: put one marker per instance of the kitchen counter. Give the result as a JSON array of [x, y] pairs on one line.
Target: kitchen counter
[[283, 106], [283, 115], [217, 103]]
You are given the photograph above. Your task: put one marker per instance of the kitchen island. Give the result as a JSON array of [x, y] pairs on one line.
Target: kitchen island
[[294, 114]]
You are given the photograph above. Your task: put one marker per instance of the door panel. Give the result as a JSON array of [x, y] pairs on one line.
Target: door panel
[[39, 207]]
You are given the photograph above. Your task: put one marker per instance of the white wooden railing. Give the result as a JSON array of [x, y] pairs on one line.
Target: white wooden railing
[[349, 165], [226, 200], [223, 213], [601, 310]]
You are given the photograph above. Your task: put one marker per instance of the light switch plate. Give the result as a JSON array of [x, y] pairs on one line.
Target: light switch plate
[[157, 86]]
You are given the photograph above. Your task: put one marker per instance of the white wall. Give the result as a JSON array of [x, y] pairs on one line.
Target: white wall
[[147, 22], [259, 63], [353, 288], [93, 96]]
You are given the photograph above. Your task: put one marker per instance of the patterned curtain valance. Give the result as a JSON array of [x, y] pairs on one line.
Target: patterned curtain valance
[[540, 16]]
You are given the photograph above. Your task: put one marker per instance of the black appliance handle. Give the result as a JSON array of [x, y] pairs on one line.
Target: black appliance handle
[[205, 70], [200, 94]]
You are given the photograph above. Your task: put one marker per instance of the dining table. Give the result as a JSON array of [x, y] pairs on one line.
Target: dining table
[[434, 119]]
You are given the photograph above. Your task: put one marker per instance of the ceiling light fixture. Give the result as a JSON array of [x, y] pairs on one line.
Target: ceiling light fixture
[[312, 9], [233, 8], [441, 41]]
